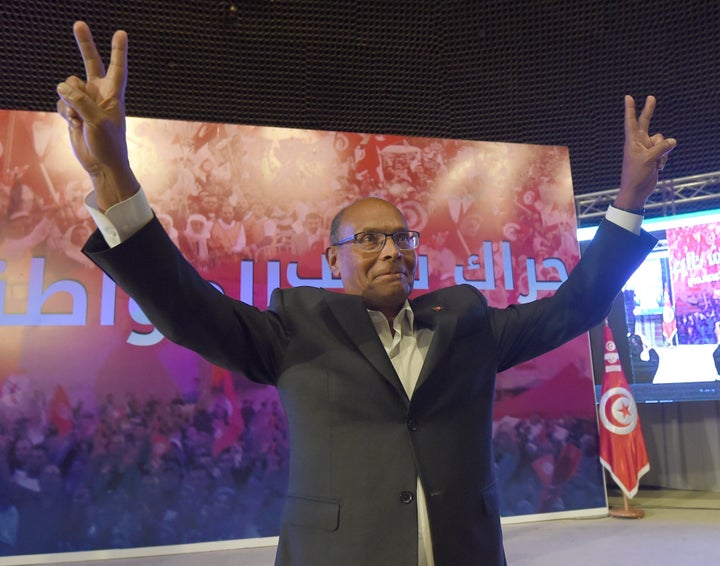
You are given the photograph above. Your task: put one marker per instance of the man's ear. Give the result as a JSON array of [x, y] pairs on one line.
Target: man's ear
[[332, 260]]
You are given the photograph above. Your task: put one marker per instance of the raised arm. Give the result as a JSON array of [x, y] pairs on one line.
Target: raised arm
[[644, 156], [94, 109]]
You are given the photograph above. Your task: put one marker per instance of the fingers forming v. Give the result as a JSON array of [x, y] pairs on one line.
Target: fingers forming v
[[633, 124], [630, 116], [94, 67], [636, 129], [117, 71], [100, 85], [646, 114]]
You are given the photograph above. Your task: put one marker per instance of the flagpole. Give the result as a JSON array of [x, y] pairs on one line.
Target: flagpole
[[626, 512]]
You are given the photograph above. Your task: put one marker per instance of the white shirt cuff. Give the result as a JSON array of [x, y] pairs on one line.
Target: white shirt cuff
[[121, 220], [624, 219]]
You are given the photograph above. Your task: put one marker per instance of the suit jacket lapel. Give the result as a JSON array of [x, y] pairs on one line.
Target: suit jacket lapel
[[351, 314], [443, 322]]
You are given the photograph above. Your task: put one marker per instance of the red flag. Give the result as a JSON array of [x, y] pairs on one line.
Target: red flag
[[227, 432], [544, 467], [60, 411], [218, 377], [622, 447], [368, 161], [567, 464], [669, 325]]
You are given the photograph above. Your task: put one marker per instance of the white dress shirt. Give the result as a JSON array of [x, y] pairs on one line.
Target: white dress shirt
[[407, 346]]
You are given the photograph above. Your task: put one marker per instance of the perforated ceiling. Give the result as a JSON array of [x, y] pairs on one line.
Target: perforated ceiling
[[546, 72]]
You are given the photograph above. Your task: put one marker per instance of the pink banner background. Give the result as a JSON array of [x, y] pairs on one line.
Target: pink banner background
[[141, 432]]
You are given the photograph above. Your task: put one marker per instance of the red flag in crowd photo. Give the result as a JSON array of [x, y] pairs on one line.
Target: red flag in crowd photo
[[669, 324], [60, 411], [229, 427], [622, 447]]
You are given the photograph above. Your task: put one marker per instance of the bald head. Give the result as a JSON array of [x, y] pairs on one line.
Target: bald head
[[362, 203], [383, 277]]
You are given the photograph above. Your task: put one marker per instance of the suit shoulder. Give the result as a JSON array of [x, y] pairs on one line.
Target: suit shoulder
[[448, 296], [295, 297], [297, 293]]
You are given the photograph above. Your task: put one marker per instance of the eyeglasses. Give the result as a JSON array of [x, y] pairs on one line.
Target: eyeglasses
[[375, 241]]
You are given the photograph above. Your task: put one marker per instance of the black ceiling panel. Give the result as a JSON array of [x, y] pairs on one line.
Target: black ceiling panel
[[544, 72]]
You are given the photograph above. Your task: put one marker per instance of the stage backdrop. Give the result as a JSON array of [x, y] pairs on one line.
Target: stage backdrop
[[111, 437]]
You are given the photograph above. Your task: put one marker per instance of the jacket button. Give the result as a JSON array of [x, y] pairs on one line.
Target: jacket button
[[412, 425], [407, 497]]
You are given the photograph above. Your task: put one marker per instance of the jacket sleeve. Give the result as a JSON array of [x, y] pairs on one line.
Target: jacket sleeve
[[187, 309], [523, 332]]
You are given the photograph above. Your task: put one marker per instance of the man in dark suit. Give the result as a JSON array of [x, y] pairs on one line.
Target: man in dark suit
[[389, 400]]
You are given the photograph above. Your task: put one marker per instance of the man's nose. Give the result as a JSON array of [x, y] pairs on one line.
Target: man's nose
[[390, 248]]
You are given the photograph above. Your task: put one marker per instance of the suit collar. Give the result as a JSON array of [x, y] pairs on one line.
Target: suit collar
[[351, 314]]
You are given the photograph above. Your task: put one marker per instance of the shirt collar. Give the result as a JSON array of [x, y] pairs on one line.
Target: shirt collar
[[405, 315]]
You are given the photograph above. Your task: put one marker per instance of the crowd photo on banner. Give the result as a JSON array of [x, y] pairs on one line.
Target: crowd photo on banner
[[112, 437]]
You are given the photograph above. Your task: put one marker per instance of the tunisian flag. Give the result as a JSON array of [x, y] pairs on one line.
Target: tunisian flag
[[622, 448]]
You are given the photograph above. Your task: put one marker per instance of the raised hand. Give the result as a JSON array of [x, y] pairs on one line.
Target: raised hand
[[95, 112], [644, 156]]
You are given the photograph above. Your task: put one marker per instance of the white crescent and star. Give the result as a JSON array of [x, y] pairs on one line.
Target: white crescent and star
[[618, 411]]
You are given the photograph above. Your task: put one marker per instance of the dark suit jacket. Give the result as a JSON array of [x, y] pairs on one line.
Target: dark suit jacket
[[357, 442]]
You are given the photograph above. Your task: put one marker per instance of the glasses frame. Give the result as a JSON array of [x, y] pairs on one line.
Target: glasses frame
[[394, 235]]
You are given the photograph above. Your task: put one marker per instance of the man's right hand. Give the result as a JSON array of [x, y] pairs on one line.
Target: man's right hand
[[644, 156], [95, 112]]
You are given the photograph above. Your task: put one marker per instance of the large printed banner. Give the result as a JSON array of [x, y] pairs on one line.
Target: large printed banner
[[111, 437]]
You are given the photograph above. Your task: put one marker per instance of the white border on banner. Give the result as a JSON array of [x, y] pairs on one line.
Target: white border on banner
[[591, 513], [239, 544], [137, 552]]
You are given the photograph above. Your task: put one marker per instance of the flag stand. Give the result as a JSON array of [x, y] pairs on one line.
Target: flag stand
[[622, 448], [626, 512]]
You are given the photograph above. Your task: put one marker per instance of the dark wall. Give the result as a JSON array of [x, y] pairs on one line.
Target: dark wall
[[545, 72]]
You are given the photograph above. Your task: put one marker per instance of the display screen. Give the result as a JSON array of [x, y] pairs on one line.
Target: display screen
[[666, 322]]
